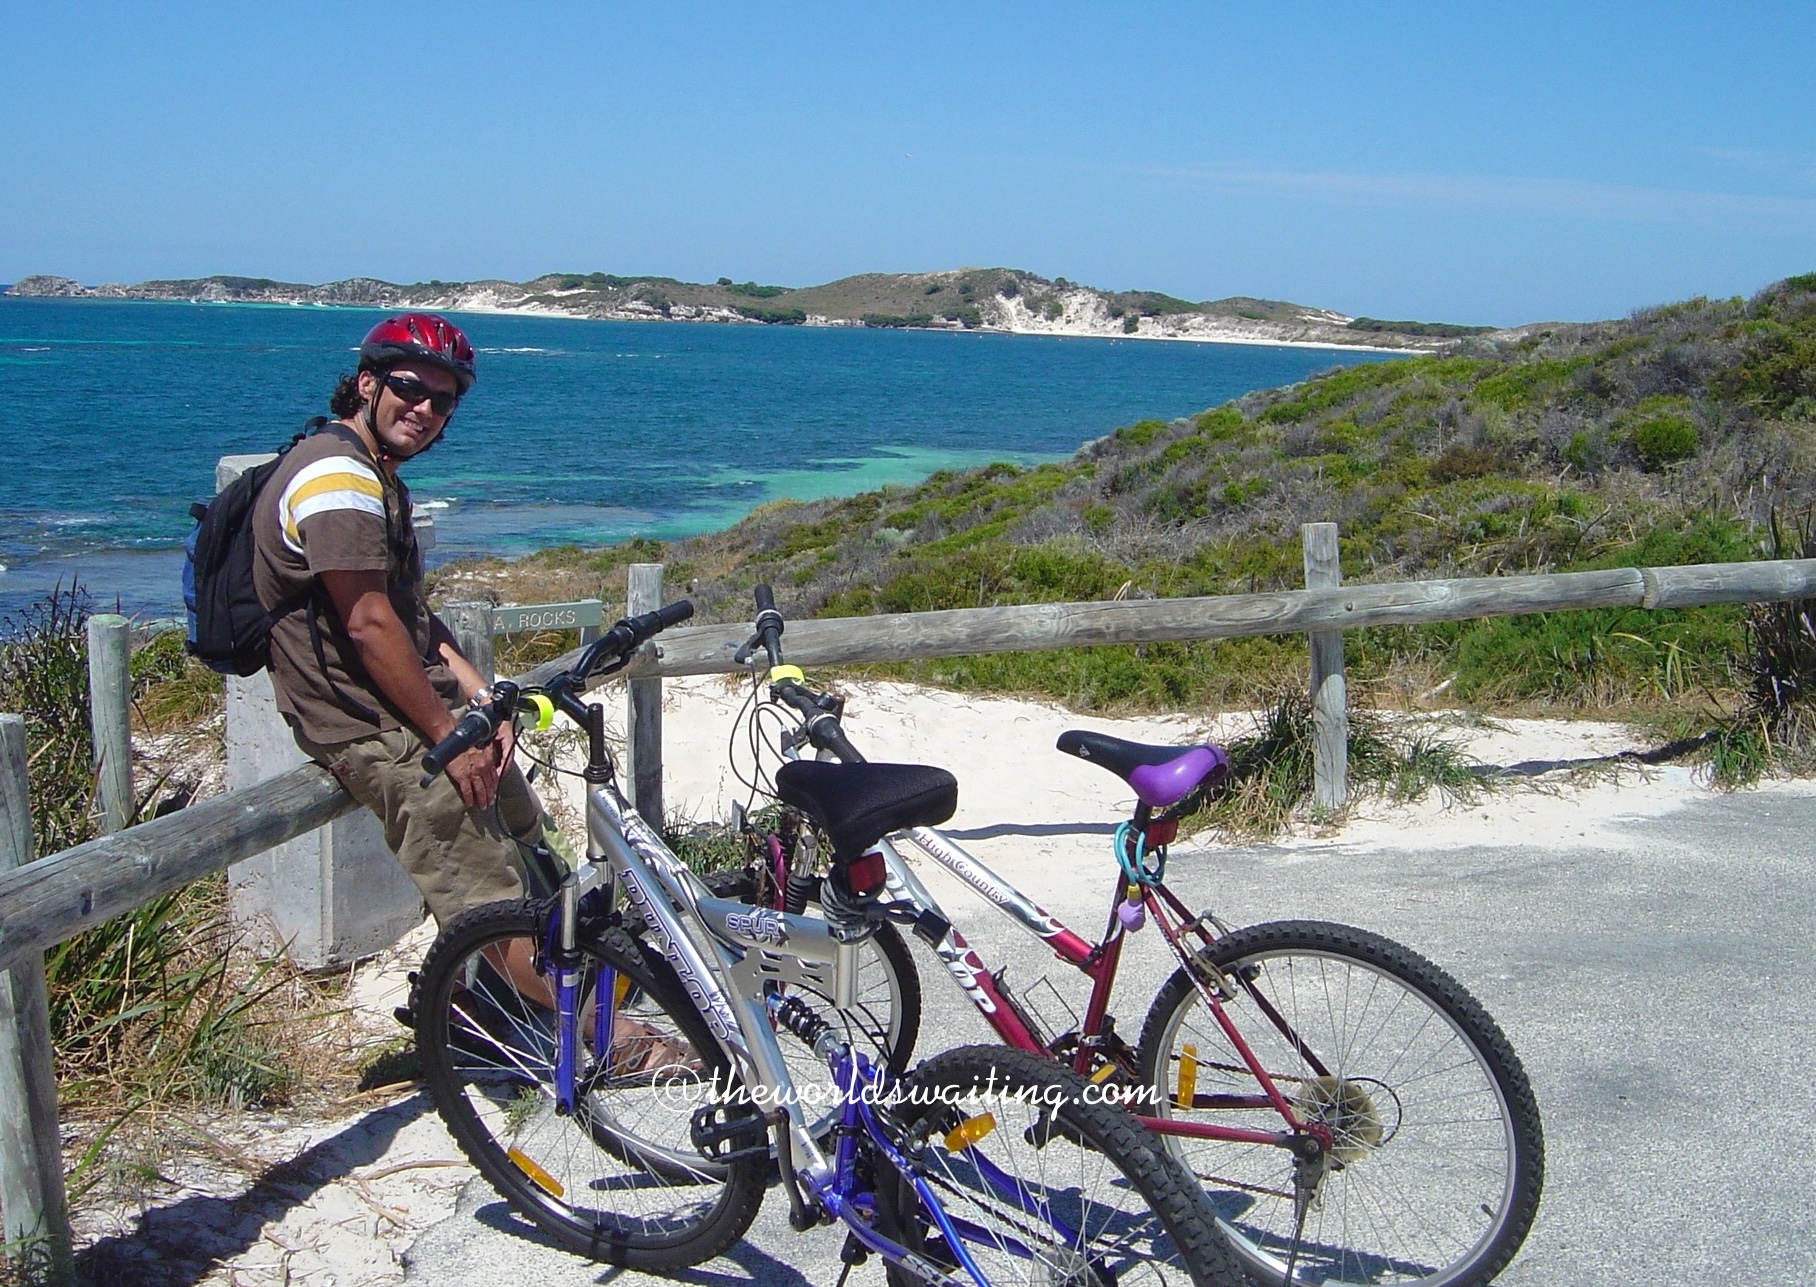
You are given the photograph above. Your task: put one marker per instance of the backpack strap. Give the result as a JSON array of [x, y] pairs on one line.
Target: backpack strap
[[352, 705]]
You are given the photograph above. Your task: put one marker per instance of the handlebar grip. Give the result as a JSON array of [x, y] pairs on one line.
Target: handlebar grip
[[673, 614], [476, 726], [832, 736], [766, 599]]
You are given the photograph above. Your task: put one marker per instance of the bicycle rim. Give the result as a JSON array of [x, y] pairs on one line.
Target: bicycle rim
[[618, 1180], [1438, 1158]]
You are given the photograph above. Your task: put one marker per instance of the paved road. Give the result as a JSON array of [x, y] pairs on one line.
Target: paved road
[[1662, 993]]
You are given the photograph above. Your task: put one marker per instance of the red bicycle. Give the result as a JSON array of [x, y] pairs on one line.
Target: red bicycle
[[1353, 1113]]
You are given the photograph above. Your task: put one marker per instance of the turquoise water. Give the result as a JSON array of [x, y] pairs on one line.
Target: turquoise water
[[114, 413]]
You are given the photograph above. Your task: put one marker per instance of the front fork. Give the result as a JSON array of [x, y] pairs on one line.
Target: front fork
[[561, 952]]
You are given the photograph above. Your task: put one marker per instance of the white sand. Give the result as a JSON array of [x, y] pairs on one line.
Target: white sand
[[373, 1177]]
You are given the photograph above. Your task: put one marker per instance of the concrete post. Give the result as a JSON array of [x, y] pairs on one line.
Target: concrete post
[[109, 718], [327, 898], [32, 1199], [1330, 697], [643, 722]]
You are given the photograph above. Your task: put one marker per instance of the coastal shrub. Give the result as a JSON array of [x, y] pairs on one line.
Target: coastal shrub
[[44, 680], [1587, 452], [1271, 768], [771, 315], [156, 1005], [1446, 330], [1131, 324], [1775, 722], [894, 320], [1664, 440], [752, 290]]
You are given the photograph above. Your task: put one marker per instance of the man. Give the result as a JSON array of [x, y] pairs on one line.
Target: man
[[369, 678], [366, 675]]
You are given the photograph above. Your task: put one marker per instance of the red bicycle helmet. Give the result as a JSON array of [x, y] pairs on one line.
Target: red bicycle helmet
[[420, 337]]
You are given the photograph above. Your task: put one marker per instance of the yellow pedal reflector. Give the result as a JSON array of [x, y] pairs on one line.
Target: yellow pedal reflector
[[544, 708], [539, 1177], [620, 988], [969, 1132], [1188, 1076], [1104, 1074]]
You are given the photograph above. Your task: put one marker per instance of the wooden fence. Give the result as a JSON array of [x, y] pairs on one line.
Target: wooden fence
[[43, 903]]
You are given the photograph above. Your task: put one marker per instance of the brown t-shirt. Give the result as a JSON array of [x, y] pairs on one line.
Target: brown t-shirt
[[331, 508]]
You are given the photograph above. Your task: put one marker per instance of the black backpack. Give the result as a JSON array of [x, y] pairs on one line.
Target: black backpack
[[229, 629]]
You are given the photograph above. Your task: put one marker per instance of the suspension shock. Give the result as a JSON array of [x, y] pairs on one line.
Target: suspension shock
[[798, 1017]]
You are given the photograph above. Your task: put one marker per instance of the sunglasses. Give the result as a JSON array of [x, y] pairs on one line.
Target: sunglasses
[[411, 391]]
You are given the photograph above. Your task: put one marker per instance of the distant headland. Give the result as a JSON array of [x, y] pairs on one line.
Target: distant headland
[[1002, 300]]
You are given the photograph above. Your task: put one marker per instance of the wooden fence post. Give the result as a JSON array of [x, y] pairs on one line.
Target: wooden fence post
[[32, 1200], [1330, 696], [472, 627], [643, 711], [109, 716]]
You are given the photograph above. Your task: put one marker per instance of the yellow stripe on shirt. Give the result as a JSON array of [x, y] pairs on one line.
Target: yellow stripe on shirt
[[361, 484]]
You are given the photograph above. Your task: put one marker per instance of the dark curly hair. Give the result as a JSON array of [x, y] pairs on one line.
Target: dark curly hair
[[345, 403]]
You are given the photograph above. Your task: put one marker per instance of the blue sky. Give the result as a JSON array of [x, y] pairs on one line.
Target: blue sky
[[1478, 162]]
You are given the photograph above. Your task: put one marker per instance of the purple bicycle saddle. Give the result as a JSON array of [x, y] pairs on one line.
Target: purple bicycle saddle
[[1161, 775]]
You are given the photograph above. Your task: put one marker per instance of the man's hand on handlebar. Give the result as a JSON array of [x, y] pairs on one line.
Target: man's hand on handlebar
[[479, 747], [474, 774]]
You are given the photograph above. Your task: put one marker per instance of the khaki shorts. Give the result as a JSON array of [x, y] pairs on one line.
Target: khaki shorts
[[458, 857]]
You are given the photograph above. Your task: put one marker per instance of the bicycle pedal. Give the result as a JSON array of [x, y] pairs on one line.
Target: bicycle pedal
[[404, 1015], [710, 1136]]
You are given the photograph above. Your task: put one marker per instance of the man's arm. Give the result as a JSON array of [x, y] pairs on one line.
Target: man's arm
[[471, 683], [389, 656]]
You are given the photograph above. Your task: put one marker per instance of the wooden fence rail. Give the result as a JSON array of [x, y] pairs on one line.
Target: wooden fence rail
[[965, 632]]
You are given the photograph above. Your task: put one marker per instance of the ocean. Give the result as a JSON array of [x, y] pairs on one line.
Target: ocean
[[113, 413]]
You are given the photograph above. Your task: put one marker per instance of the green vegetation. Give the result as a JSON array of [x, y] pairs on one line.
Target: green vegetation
[[157, 1007], [752, 290], [1446, 330], [898, 319], [773, 316], [1271, 773], [1669, 437]]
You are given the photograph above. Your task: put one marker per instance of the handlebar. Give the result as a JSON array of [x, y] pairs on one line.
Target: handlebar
[[819, 713], [769, 625], [475, 728], [610, 652]]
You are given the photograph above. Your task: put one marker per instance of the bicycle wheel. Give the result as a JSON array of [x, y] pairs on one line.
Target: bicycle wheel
[[1438, 1159], [884, 1023], [1045, 1183], [618, 1180]]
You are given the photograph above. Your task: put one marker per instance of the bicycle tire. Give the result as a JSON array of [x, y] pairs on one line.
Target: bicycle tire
[[1440, 1153], [618, 1180], [1137, 1215]]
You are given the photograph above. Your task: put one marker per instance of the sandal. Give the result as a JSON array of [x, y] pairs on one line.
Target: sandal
[[639, 1048]]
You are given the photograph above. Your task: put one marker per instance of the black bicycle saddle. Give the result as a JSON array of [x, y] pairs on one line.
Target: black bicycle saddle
[[859, 804]]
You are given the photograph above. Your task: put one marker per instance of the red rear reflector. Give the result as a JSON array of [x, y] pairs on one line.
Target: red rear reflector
[[866, 874], [1162, 832]]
